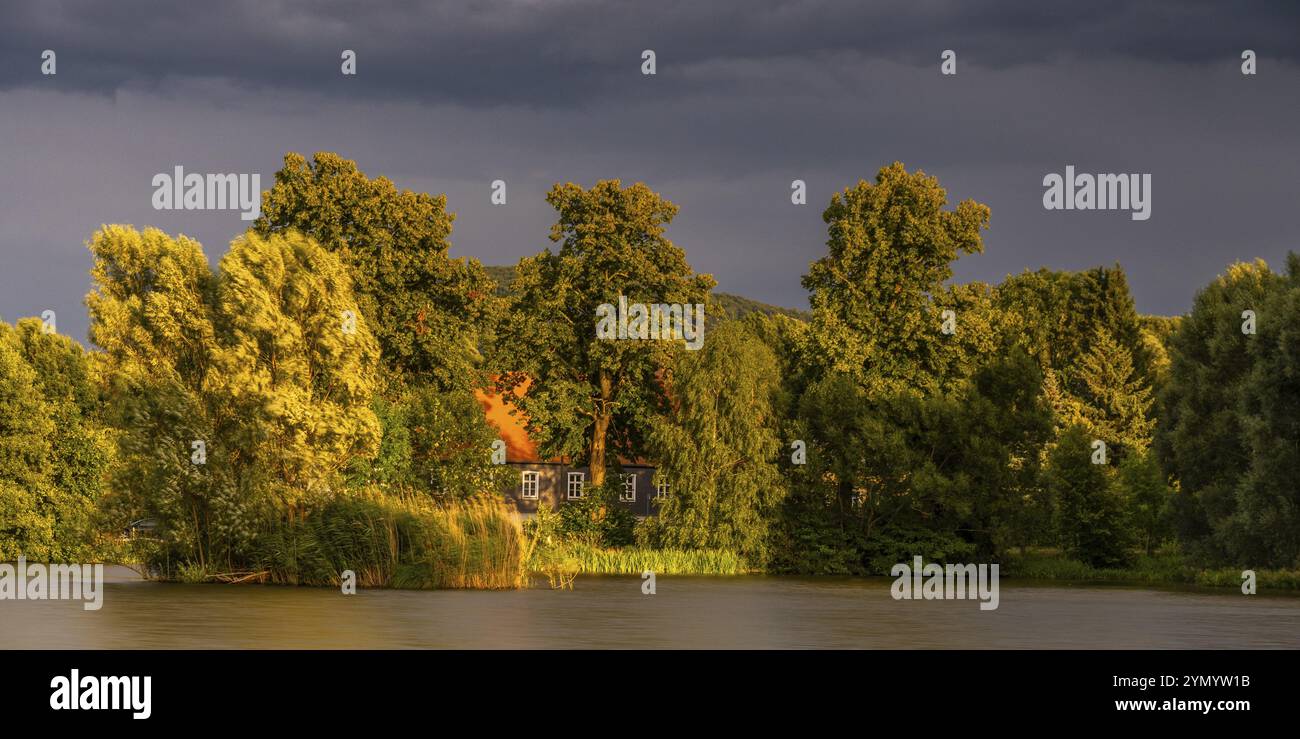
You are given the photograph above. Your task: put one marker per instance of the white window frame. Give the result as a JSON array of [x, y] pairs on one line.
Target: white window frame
[[581, 479], [527, 478], [628, 493], [662, 489]]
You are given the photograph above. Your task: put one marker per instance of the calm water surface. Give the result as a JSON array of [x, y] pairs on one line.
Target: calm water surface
[[685, 612]]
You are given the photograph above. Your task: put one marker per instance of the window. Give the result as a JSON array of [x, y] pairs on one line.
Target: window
[[629, 488], [528, 485], [662, 488], [577, 484]]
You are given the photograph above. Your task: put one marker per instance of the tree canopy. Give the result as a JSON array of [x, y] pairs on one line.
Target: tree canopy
[[430, 313], [890, 249], [585, 397]]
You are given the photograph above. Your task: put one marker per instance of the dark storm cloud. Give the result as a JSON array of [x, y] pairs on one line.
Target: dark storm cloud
[[452, 96], [565, 52]]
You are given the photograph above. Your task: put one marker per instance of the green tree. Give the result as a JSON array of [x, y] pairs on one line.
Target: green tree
[[435, 443], [1157, 332], [1148, 497], [980, 329], [430, 313], [986, 450], [299, 365], [1057, 315], [891, 247], [79, 446], [1091, 515], [390, 470], [953, 472], [1204, 438], [26, 425], [589, 398], [717, 446], [858, 463], [151, 313], [239, 397], [1265, 525], [149, 310], [1116, 401]]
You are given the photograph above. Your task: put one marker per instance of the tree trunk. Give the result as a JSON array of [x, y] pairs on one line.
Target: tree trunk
[[600, 429]]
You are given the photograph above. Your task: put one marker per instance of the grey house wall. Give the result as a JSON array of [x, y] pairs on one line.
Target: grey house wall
[[553, 486]]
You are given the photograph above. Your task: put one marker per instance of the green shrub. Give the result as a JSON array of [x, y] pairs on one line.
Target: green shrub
[[597, 519], [894, 545]]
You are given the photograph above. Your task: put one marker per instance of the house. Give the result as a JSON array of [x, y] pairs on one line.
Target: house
[[554, 482]]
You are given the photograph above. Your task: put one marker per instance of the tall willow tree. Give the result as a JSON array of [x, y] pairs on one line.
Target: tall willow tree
[[300, 365], [891, 247], [588, 398], [240, 395], [151, 312], [150, 308], [718, 444]]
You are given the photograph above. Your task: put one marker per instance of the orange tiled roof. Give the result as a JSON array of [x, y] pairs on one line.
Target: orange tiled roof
[[510, 422], [520, 447]]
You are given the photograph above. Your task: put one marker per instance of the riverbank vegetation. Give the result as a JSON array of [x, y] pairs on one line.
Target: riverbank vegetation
[[307, 405], [596, 536], [383, 542], [1167, 567], [582, 559]]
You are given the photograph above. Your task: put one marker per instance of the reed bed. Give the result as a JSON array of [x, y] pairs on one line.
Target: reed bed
[[399, 543], [574, 558]]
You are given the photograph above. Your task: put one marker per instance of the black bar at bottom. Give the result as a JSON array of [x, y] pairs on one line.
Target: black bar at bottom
[[934, 689]]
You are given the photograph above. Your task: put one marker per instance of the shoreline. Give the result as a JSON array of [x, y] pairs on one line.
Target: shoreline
[[1270, 582]]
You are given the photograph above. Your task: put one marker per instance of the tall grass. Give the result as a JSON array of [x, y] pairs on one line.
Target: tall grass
[[398, 543], [576, 558]]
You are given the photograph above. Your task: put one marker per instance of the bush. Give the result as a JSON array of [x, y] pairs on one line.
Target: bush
[[597, 520], [893, 545]]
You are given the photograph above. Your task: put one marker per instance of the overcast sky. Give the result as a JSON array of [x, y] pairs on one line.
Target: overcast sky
[[748, 96]]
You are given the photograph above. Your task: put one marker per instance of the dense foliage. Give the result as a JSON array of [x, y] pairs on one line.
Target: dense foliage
[[310, 403], [718, 447], [1231, 425], [587, 398], [429, 312], [54, 451]]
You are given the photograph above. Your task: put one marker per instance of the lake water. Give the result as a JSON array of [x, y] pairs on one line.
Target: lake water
[[685, 612]]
